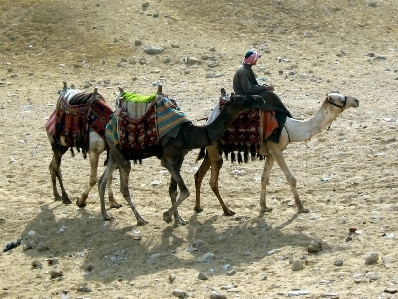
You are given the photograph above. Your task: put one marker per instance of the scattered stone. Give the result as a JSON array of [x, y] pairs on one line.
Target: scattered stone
[[172, 277], [330, 295], [180, 294], [374, 277], [174, 46], [145, 5], [214, 75], [297, 265], [153, 50], [202, 276], [191, 61], [298, 293], [213, 63], [352, 229], [84, 290], [52, 261], [231, 272], [12, 245], [315, 246], [372, 258], [391, 290], [360, 280], [137, 43], [36, 265], [56, 274], [216, 295], [206, 258], [338, 263]]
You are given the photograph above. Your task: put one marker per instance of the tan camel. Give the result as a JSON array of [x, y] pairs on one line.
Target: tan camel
[[172, 155], [96, 147], [293, 131]]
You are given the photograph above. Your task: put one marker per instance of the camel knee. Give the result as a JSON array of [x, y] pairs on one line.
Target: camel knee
[[292, 181]]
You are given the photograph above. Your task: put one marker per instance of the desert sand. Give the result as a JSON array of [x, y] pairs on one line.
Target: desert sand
[[346, 175]]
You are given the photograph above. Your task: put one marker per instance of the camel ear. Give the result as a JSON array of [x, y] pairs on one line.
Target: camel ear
[[121, 90]]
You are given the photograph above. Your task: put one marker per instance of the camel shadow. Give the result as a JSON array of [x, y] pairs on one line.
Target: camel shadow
[[108, 252]]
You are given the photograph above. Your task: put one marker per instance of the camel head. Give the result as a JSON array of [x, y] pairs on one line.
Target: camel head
[[341, 102]]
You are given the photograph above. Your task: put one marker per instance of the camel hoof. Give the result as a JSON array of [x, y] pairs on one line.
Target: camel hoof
[[303, 210], [66, 201], [80, 205], [266, 209], [229, 213], [115, 206], [167, 217], [181, 221], [142, 222], [107, 218], [198, 210]]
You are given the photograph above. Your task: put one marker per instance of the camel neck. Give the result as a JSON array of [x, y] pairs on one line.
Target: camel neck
[[305, 130]]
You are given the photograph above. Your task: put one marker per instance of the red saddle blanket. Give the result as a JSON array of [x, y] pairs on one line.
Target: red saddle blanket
[[250, 127], [71, 122], [138, 133]]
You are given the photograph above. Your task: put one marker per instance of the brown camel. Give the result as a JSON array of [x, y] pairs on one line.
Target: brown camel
[[293, 131], [172, 155], [96, 147]]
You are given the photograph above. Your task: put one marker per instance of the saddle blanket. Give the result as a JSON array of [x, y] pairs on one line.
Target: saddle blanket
[[161, 117], [250, 127], [69, 122]]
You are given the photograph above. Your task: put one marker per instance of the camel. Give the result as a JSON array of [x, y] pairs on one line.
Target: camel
[[172, 155], [293, 131], [96, 146]]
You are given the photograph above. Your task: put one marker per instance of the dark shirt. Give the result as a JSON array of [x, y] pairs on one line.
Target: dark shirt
[[245, 83]]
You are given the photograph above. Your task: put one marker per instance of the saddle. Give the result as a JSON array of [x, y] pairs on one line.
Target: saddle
[[75, 112], [247, 131], [137, 127]]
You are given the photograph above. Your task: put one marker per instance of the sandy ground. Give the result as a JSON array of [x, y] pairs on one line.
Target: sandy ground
[[347, 175]]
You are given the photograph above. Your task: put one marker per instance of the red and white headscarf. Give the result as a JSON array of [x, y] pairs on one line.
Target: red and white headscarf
[[251, 57]]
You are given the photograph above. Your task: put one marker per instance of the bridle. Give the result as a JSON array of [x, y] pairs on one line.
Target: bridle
[[340, 106]]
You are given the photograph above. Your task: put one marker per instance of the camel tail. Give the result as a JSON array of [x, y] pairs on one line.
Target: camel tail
[[107, 155], [201, 154]]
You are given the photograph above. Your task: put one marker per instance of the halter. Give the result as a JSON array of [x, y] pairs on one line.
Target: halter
[[341, 107]]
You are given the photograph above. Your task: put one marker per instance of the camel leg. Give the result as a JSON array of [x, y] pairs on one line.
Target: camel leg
[[112, 202], [124, 170], [174, 169], [215, 172], [116, 160], [94, 158], [199, 175], [173, 196], [214, 160], [278, 155], [104, 179], [55, 171], [269, 162]]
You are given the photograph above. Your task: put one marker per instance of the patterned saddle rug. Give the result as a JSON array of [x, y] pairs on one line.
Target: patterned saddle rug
[[247, 131], [75, 112], [142, 134]]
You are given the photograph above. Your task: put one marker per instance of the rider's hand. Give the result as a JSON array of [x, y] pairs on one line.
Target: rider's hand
[[269, 87]]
